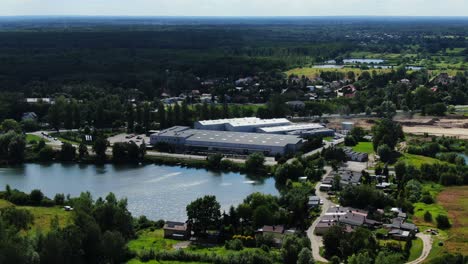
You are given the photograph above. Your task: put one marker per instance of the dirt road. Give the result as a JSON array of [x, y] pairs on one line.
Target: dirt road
[[427, 246], [437, 131]]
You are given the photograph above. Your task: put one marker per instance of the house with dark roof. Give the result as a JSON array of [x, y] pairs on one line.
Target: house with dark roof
[[176, 230], [314, 202], [355, 156], [276, 231], [349, 218]]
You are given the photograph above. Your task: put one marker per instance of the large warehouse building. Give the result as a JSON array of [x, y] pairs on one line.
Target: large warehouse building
[[289, 128], [184, 138], [246, 124]]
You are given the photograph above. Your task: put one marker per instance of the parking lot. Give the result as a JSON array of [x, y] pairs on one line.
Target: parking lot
[[137, 138]]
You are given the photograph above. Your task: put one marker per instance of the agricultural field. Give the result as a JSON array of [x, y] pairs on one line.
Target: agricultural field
[[455, 201], [315, 72]]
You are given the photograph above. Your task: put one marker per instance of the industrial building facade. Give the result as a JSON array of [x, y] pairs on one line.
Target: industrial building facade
[[184, 138]]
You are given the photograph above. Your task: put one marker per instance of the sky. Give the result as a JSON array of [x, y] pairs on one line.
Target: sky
[[235, 7]]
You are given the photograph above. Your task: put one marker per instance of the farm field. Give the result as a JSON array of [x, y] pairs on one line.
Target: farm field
[[315, 72], [455, 201]]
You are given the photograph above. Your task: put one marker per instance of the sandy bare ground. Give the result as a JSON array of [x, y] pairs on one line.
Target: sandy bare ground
[[437, 131]]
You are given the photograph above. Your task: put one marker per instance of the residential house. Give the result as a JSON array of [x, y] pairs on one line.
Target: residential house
[[346, 91], [29, 116], [314, 202], [176, 230]]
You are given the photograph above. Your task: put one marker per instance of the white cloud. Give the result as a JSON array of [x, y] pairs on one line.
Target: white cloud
[[236, 7]]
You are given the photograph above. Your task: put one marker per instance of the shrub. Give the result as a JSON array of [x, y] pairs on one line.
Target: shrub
[[350, 141], [428, 216], [443, 222], [235, 244], [427, 199]]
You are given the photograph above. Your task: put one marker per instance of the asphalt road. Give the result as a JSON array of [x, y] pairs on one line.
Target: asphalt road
[[316, 241]]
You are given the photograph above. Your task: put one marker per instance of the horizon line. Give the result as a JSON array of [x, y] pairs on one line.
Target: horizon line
[[228, 16]]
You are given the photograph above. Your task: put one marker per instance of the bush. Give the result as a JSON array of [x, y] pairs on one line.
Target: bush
[[36, 197], [443, 222], [59, 199], [235, 244], [428, 216], [427, 199], [350, 141], [46, 154], [384, 152]]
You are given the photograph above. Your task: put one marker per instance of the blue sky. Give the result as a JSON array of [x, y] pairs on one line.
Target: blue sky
[[235, 7]]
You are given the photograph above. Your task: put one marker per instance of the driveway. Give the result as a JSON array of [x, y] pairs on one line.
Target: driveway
[[316, 241], [427, 246]]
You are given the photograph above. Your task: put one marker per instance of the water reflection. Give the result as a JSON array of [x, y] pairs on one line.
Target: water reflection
[[155, 191]]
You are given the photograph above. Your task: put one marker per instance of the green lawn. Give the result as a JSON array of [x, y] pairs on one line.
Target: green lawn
[[329, 139], [43, 216], [31, 137], [416, 249], [365, 147], [418, 160]]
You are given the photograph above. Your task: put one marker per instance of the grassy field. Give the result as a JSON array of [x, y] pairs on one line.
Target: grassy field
[[417, 160], [151, 240], [416, 249], [43, 216], [420, 208], [365, 147], [455, 201]]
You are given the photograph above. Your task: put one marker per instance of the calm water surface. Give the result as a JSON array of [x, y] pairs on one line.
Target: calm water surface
[[159, 192]]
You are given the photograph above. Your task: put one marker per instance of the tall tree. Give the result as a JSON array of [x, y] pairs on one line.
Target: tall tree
[[204, 213], [130, 114], [162, 116]]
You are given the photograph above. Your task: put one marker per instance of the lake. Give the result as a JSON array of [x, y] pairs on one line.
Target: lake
[[159, 192], [369, 61]]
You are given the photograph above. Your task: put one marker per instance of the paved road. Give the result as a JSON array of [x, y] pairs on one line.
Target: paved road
[[316, 241], [427, 246], [326, 144], [49, 140]]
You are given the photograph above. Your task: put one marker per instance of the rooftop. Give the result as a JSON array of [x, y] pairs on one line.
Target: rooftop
[[198, 135], [257, 121], [229, 120], [290, 128], [175, 225]]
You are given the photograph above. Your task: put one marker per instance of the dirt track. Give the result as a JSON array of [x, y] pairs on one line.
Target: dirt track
[[437, 131]]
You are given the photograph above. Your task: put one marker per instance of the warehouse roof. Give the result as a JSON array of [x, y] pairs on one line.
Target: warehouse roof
[[290, 128], [226, 137], [249, 122], [242, 138], [229, 120]]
